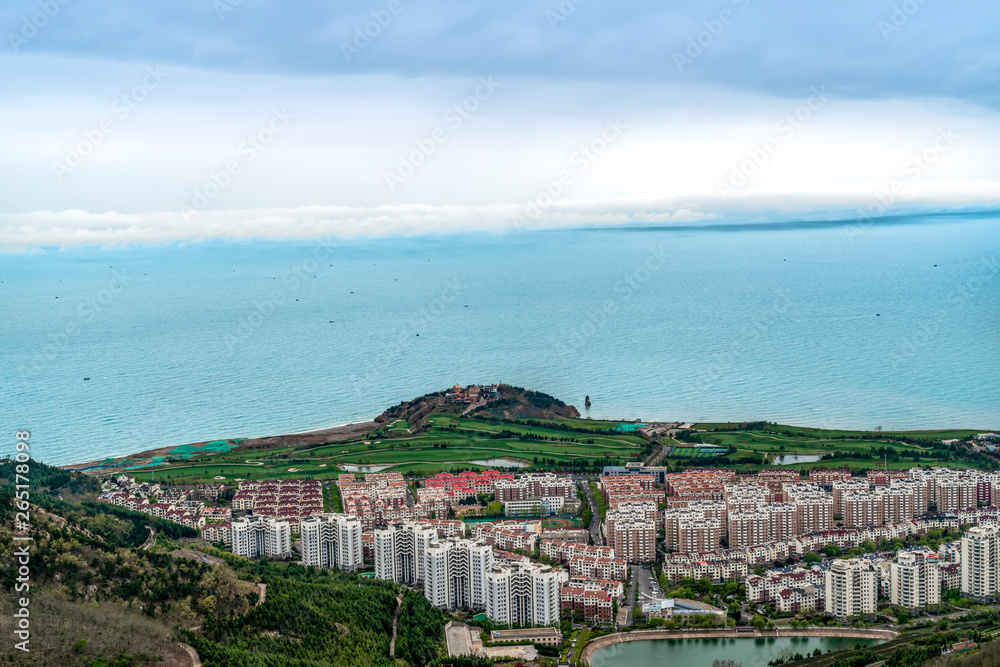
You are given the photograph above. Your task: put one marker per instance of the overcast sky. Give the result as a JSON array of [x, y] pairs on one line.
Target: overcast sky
[[167, 120]]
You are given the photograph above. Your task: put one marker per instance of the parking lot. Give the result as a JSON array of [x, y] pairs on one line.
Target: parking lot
[[649, 588]]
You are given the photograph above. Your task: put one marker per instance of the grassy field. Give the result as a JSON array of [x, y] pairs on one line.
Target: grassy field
[[453, 442], [944, 434], [862, 448], [450, 442]]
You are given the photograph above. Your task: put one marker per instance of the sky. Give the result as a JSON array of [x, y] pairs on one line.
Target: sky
[[174, 120]]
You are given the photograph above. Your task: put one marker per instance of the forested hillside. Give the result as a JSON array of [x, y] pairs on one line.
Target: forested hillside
[[99, 600]]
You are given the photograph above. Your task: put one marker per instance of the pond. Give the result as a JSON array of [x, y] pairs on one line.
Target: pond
[[500, 463], [353, 468], [701, 652], [791, 459]]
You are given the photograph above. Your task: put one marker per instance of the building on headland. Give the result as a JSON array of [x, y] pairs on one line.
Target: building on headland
[[256, 536], [980, 563], [333, 541], [851, 588], [915, 578]]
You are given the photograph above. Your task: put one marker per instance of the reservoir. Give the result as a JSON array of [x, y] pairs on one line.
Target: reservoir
[[701, 652], [499, 463], [791, 459]]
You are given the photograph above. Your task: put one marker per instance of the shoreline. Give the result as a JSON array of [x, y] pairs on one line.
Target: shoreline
[[301, 439], [729, 633]]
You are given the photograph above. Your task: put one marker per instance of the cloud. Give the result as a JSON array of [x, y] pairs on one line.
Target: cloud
[[846, 204], [865, 49]]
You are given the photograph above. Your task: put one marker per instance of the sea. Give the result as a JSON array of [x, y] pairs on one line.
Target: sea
[[109, 351]]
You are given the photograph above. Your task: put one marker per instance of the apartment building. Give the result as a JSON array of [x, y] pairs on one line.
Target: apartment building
[[523, 594], [598, 567], [698, 535], [631, 531], [400, 551], [828, 476], [841, 487], [813, 507], [851, 588], [455, 573], [333, 541], [536, 485], [747, 528], [915, 579], [256, 536], [980, 562]]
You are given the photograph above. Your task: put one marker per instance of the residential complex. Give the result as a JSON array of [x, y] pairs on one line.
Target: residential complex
[[980, 562], [256, 536], [915, 579], [332, 540], [851, 588]]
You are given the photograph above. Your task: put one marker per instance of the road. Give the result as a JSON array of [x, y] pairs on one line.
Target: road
[[595, 523], [659, 455], [395, 624], [150, 541]]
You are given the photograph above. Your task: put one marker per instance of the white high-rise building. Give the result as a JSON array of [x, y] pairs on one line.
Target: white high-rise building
[[255, 536], [980, 562], [455, 573], [523, 594], [851, 588], [915, 579], [400, 551], [332, 540]]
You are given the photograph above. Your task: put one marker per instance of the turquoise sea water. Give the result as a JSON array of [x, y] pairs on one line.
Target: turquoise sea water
[[892, 325]]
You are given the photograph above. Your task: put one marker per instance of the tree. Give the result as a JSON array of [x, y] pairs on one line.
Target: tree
[[758, 622]]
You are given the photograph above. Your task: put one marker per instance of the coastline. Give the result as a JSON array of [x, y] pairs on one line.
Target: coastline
[[301, 439]]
